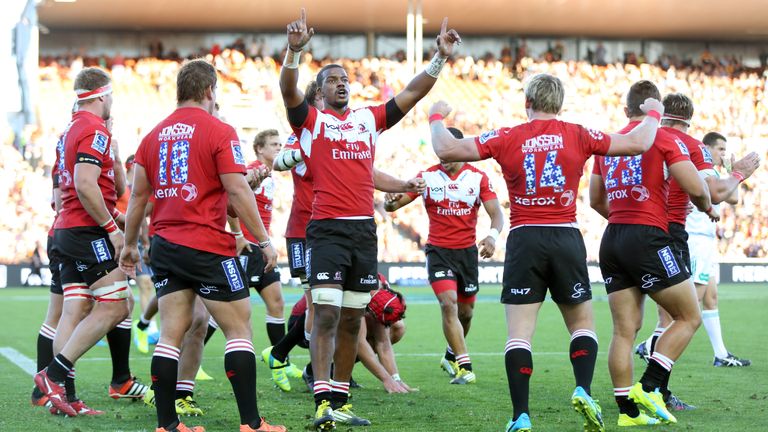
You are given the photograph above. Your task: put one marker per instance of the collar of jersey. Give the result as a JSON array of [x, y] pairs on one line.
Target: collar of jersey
[[458, 173], [337, 115]]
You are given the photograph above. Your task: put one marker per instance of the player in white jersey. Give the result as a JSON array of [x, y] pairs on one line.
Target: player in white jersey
[[702, 243]]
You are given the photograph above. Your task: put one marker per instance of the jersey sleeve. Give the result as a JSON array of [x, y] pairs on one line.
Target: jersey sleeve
[[489, 143], [486, 189], [93, 146], [228, 154], [414, 195], [292, 143], [380, 116], [674, 150], [593, 141]]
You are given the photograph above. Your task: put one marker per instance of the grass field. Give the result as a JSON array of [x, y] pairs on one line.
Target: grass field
[[728, 399]]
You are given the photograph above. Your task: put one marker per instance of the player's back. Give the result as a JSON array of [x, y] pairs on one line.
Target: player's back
[[183, 156], [678, 200], [542, 162], [638, 186]]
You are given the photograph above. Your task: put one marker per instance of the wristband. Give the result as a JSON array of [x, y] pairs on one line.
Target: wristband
[[435, 117], [435, 66], [738, 175], [238, 234], [709, 209], [655, 114], [494, 234], [292, 59], [265, 244], [110, 226], [396, 377], [116, 213]]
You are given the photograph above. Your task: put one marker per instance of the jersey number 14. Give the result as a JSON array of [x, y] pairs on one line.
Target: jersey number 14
[[551, 175]]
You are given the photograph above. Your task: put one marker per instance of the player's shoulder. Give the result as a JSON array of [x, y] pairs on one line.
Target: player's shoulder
[[469, 167], [255, 164], [433, 168]]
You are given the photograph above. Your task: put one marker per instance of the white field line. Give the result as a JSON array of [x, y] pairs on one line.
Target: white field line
[[25, 363]]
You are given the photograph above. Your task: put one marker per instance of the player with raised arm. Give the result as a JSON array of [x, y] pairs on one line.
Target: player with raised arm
[[454, 193], [193, 165], [338, 146], [87, 239], [542, 162], [638, 257]]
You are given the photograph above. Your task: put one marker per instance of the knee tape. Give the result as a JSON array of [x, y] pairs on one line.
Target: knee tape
[[355, 300], [76, 291], [327, 296], [112, 293]]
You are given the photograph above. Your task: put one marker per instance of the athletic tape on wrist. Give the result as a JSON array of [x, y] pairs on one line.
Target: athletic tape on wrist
[[292, 59], [494, 234], [435, 66]]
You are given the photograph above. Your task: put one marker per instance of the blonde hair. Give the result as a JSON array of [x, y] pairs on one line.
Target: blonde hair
[[545, 93]]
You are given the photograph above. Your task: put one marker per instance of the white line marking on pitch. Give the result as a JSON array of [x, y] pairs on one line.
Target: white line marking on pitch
[[25, 363]]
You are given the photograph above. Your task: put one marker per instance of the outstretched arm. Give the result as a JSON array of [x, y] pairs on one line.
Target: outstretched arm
[[423, 82], [641, 138], [298, 36], [387, 183], [447, 147]]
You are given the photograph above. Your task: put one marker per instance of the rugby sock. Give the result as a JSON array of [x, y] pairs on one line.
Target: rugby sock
[[583, 353], [626, 406], [711, 320], [164, 369], [339, 394], [657, 372], [45, 346], [185, 388], [59, 368], [69, 386], [655, 338], [119, 339], [240, 365], [322, 391], [275, 329], [464, 361], [143, 323], [519, 364], [449, 354], [294, 336], [212, 327]]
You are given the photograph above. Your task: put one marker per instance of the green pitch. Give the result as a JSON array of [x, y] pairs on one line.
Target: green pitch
[[727, 399]]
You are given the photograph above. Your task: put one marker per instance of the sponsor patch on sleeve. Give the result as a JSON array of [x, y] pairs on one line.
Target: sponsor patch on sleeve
[[488, 135], [237, 152], [100, 142], [706, 153], [683, 148]]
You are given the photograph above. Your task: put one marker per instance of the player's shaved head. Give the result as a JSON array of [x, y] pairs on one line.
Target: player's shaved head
[[638, 93], [544, 93], [194, 78]]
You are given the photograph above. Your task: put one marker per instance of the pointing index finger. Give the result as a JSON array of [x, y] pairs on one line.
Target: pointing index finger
[[303, 15], [444, 26]]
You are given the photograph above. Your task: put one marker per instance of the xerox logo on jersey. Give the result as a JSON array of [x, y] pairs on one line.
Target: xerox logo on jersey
[[101, 250], [237, 152], [640, 193], [234, 278], [166, 193], [100, 142], [669, 261], [488, 135], [539, 201]]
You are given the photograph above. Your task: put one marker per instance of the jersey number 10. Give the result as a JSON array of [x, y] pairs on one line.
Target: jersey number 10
[[179, 163]]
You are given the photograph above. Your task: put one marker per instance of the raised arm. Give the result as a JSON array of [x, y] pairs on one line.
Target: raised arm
[[641, 138], [726, 189], [447, 147], [387, 183], [298, 37], [422, 83]]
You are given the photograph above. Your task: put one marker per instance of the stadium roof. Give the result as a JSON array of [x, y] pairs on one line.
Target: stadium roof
[[685, 19]]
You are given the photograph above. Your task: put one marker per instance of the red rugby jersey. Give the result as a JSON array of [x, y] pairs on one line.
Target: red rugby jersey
[[637, 186], [339, 151], [678, 200], [542, 162], [264, 195], [183, 157], [301, 206], [85, 140], [452, 203]]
